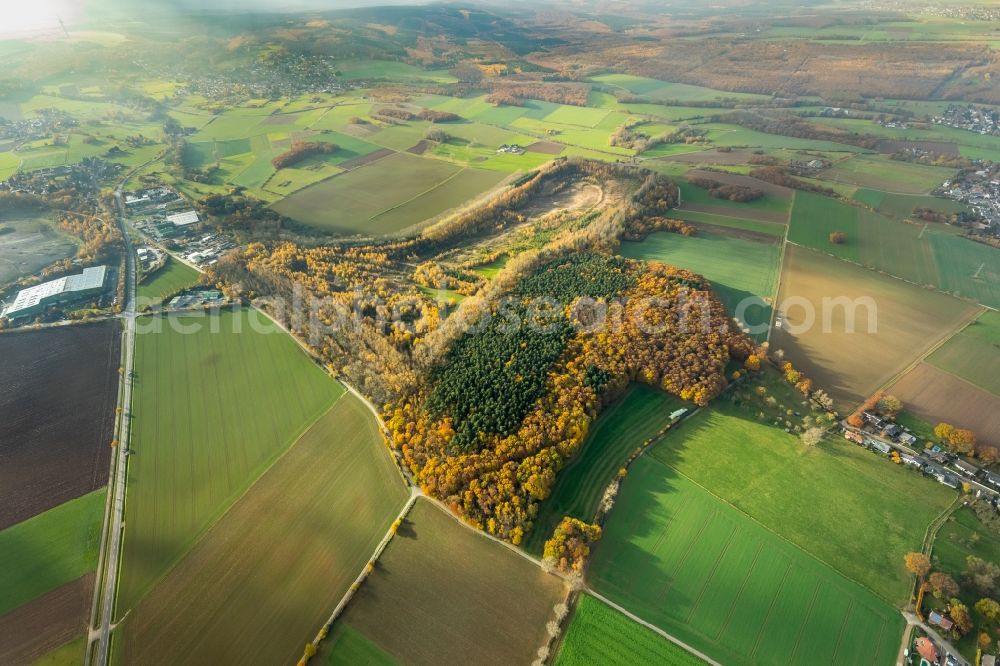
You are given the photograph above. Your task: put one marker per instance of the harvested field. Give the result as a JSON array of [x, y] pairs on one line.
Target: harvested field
[[420, 148], [748, 213], [29, 242], [707, 157], [974, 354], [545, 147], [365, 159], [443, 594], [58, 389], [935, 395], [851, 365], [746, 181], [255, 591], [949, 148], [33, 630]]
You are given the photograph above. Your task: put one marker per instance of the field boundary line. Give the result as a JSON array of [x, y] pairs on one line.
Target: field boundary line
[[635, 618], [376, 554], [208, 528], [946, 338], [461, 170], [783, 538]]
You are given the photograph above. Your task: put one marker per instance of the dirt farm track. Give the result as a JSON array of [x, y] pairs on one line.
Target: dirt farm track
[[59, 388]]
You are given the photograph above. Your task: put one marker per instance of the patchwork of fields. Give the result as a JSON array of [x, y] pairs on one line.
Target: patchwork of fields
[[441, 593], [893, 323], [358, 202], [923, 254], [329, 501], [218, 399]]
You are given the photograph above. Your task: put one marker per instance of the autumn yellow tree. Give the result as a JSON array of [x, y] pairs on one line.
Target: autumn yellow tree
[[917, 564]]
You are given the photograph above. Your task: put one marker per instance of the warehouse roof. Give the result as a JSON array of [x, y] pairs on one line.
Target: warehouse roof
[[91, 278], [183, 219]]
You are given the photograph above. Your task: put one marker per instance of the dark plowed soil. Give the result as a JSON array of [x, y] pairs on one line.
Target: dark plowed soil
[[365, 159], [58, 390], [42, 625]]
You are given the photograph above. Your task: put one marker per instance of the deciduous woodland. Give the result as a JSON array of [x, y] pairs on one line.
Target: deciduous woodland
[[566, 325]]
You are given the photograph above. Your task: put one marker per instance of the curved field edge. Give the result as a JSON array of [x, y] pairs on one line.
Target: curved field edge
[[620, 429], [443, 593], [255, 590], [599, 634], [219, 397], [171, 278]]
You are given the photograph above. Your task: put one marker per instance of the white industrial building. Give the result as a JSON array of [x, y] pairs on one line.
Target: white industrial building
[[183, 219], [65, 289]]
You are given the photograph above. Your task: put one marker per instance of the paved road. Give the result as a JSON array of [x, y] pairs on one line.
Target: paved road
[[116, 518]]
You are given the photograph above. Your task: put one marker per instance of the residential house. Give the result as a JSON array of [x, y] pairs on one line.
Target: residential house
[[965, 468], [940, 620]]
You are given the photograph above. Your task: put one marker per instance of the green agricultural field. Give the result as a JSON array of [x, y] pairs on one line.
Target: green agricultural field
[[173, 277], [621, 428], [663, 90], [967, 268], [880, 173], [692, 194], [974, 353], [358, 202], [50, 550], [815, 217], [721, 135], [679, 557], [738, 269], [349, 648], [442, 593], [755, 226], [329, 501], [902, 205], [598, 634], [872, 512], [452, 193], [218, 398], [922, 253], [72, 653]]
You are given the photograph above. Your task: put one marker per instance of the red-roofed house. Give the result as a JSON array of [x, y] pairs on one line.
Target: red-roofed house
[[942, 621], [927, 650]]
